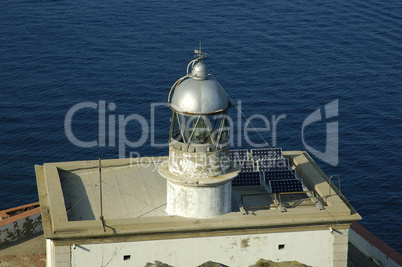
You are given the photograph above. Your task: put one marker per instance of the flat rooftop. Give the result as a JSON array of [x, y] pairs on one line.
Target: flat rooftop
[[134, 201]]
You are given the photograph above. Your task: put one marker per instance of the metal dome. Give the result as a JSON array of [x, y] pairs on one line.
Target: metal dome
[[198, 94], [199, 72]]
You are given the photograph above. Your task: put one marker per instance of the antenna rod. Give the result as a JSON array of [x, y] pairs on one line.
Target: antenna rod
[[100, 189], [199, 55], [200, 47]]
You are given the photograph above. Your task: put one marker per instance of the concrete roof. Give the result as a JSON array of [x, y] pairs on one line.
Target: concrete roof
[[129, 191], [134, 202]]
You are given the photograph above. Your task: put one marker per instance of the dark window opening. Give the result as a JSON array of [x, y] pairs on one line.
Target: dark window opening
[[126, 257], [281, 246]]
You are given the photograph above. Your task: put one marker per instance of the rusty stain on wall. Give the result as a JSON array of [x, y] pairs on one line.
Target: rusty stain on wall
[[245, 242]]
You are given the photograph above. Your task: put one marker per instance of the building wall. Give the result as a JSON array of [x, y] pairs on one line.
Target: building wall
[[59, 256], [340, 247], [315, 248], [373, 247], [21, 225]]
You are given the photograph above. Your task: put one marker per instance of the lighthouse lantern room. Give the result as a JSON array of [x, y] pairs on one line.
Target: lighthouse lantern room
[[199, 171]]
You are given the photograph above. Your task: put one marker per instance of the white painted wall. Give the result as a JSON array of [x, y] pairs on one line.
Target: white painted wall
[[49, 253], [309, 247], [199, 202], [57, 256]]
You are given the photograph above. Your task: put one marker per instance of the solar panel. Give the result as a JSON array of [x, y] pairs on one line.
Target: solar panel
[[247, 166], [239, 154], [266, 153], [279, 175], [247, 179], [278, 186], [273, 164]]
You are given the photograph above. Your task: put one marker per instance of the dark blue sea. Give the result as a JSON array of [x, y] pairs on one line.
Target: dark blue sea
[[114, 62]]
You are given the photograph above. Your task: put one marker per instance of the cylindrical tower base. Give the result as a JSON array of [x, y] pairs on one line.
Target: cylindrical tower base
[[199, 202]]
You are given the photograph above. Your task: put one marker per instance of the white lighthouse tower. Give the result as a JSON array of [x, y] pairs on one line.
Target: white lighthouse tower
[[199, 171]]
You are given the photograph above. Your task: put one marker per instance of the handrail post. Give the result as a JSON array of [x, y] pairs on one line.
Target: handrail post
[[339, 184]]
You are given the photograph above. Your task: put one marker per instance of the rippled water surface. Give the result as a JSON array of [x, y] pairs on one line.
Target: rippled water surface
[[277, 57]]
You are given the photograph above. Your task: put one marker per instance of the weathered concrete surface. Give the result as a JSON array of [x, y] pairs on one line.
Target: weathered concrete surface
[[31, 252], [26, 252], [32, 245], [20, 222], [193, 165], [313, 247], [37, 260], [133, 191], [199, 202]]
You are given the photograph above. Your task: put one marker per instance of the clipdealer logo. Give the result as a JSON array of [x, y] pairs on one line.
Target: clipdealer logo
[[331, 153], [112, 129]]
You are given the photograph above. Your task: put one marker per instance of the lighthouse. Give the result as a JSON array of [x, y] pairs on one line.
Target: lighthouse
[[199, 206], [199, 171]]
